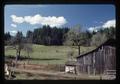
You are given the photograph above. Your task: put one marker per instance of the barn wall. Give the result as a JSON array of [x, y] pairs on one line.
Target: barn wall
[[110, 58], [98, 61]]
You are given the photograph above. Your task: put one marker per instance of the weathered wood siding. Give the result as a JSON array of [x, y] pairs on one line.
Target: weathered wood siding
[[110, 58], [96, 62]]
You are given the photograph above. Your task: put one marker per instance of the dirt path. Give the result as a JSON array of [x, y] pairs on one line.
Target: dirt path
[[45, 72], [55, 74], [38, 70]]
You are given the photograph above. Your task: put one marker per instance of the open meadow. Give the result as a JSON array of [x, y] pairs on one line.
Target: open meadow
[[48, 54], [43, 60]]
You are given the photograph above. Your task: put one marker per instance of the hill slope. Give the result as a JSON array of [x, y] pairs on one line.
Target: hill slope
[[49, 54]]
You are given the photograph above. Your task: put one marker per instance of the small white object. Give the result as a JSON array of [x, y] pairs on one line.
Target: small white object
[[70, 69], [6, 69]]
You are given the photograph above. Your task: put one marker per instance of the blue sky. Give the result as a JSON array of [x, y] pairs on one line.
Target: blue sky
[[29, 17]]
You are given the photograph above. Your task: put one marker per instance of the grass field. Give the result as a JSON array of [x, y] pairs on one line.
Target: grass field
[[49, 54]]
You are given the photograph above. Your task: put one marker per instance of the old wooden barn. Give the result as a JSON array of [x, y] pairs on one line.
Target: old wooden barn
[[99, 60]]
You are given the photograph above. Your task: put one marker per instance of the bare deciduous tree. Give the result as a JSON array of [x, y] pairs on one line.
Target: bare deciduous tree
[[76, 37], [28, 49]]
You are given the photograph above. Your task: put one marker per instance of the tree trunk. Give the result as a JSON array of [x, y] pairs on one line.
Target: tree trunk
[[19, 54], [78, 50], [28, 57], [16, 58]]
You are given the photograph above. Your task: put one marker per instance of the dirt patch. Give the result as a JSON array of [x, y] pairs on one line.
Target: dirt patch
[[42, 67], [40, 76]]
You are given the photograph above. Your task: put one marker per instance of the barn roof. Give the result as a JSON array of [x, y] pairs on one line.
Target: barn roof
[[110, 42]]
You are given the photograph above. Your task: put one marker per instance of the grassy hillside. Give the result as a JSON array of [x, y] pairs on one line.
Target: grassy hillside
[[49, 54]]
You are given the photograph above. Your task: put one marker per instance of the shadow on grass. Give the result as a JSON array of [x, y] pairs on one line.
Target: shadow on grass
[[26, 58]]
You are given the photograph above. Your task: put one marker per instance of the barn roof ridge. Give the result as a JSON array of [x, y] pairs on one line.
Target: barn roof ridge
[[108, 42]]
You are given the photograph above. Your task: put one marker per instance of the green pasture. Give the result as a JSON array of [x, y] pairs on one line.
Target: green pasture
[[49, 54]]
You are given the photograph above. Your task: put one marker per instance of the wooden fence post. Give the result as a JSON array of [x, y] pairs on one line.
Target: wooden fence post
[[88, 67]]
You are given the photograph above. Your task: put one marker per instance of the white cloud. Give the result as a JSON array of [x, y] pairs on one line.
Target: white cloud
[[17, 19], [53, 21], [91, 29], [38, 19], [14, 25], [13, 32], [109, 23]]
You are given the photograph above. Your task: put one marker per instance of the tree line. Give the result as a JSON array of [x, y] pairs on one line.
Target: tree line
[[77, 37], [47, 35]]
